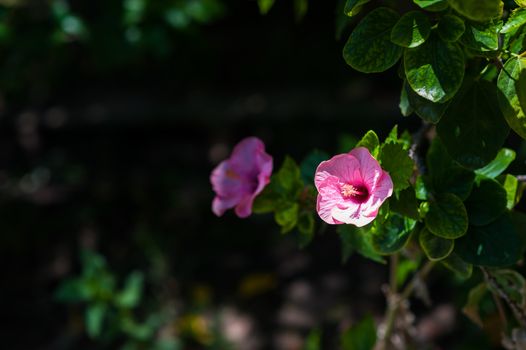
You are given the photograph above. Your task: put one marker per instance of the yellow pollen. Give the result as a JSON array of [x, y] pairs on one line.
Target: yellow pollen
[[349, 190]]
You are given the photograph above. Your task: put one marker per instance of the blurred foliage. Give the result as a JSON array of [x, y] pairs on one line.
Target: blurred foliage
[[41, 37]]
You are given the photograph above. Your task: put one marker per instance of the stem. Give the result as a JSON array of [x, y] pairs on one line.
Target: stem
[[394, 300], [392, 273], [518, 311], [500, 308]]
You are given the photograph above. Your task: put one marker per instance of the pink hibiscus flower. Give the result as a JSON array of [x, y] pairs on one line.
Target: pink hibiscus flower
[[239, 179], [351, 188]]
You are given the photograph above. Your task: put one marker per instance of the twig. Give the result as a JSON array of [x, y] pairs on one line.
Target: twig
[[417, 147], [521, 178], [518, 311], [394, 301]]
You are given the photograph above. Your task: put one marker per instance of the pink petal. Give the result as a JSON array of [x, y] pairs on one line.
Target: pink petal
[[370, 170], [344, 166], [244, 208], [244, 158], [353, 216], [220, 205], [382, 191]]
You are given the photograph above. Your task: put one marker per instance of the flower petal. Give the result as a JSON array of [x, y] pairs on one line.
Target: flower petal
[[245, 160], [383, 190], [343, 166], [353, 215], [220, 205], [370, 170]]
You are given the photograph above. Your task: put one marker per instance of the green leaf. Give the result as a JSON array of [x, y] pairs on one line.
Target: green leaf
[[393, 234], [353, 7], [369, 48], [371, 142], [435, 247], [432, 5], [405, 106], [473, 130], [520, 86], [362, 336], [478, 10], [435, 70], [300, 8], [511, 185], [265, 6], [447, 216], [481, 36], [521, 3], [496, 244], [287, 217], [396, 161], [313, 341], [516, 20], [446, 175], [509, 102], [94, 318], [472, 307], [486, 202], [357, 240], [131, 294], [310, 163], [406, 204], [73, 290], [422, 187], [289, 178], [451, 27], [411, 30], [455, 263], [429, 111], [405, 268], [497, 165]]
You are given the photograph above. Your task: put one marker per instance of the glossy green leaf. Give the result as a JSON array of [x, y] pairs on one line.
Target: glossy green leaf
[[473, 130], [472, 307], [435, 70], [516, 20], [361, 336], [432, 5], [423, 187], [481, 36], [355, 239], [478, 10], [429, 111], [446, 175], [352, 7], [511, 185], [393, 234], [521, 3], [486, 202], [494, 245], [396, 161], [371, 142], [265, 6], [520, 86], [497, 165], [451, 27], [405, 204], [369, 48], [509, 95], [435, 247], [447, 216], [411, 30], [460, 267]]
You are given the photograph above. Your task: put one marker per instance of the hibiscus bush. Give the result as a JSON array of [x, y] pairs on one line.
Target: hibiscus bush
[[440, 196]]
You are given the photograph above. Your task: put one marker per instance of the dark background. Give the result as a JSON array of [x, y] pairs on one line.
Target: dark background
[[107, 144]]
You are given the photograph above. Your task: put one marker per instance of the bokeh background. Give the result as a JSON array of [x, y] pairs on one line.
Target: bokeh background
[[112, 115]]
